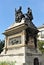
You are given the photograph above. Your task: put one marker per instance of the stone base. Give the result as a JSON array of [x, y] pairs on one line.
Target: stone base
[[22, 55], [18, 59], [15, 54], [31, 54]]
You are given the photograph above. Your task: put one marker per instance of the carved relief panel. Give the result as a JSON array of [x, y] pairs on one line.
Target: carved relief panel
[[31, 42], [15, 40]]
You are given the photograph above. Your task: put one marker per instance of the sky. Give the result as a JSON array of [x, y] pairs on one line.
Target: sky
[[7, 12]]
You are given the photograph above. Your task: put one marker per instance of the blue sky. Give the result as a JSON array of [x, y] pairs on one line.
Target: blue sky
[[7, 12]]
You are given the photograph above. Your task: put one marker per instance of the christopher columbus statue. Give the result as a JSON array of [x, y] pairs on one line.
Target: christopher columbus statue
[[29, 14]]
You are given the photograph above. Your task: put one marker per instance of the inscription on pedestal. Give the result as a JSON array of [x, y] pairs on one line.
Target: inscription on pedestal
[[15, 40]]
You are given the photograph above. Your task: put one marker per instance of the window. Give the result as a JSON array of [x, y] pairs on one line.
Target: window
[[42, 34], [15, 40]]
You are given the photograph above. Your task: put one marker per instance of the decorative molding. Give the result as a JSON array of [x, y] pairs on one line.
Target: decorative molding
[[20, 54], [33, 54], [22, 26], [15, 46]]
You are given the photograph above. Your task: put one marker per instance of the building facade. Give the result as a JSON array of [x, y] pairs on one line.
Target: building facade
[[41, 33]]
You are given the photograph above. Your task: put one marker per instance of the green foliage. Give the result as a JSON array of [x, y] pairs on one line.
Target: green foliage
[[7, 63], [1, 45], [40, 45]]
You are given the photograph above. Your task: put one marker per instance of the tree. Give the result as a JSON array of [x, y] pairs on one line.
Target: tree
[[40, 45], [1, 45]]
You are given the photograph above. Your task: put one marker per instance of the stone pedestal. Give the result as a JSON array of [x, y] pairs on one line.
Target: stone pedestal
[[20, 45]]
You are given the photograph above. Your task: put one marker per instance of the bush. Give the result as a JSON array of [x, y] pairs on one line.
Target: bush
[[40, 45]]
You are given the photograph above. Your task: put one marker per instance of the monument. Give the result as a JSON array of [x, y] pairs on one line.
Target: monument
[[21, 40]]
